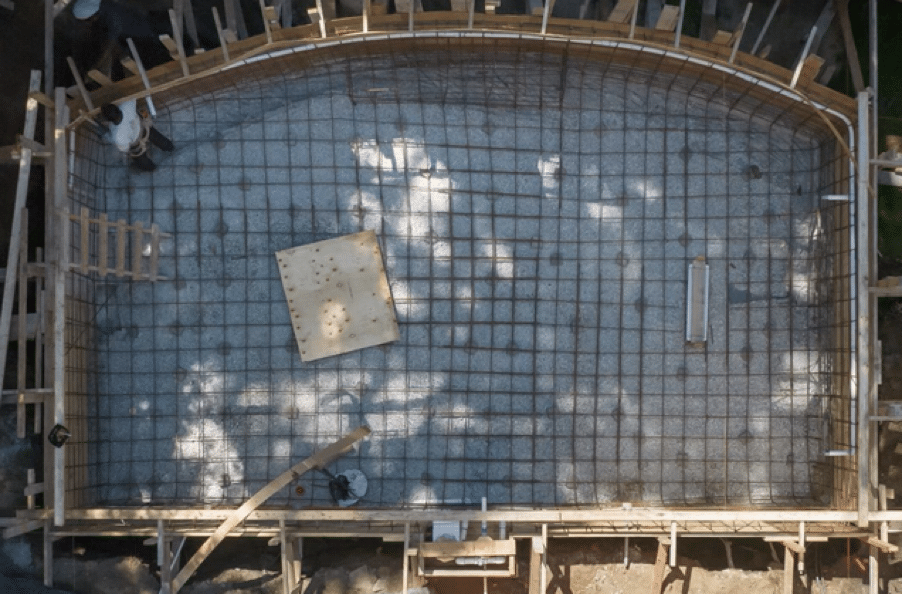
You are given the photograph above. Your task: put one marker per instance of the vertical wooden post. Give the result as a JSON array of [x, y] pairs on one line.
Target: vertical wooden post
[[164, 559], [673, 544], [29, 498], [61, 174], [405, 562], [297, 561], [546, 13], [862, 380], [179, 43], [788, 571], [322, 18], [286, 563], [740, 32], [535, 566], [185, 13], [470, 16], [366, 15]]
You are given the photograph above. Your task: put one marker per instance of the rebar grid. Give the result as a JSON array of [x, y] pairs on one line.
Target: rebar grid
[[537, 218]]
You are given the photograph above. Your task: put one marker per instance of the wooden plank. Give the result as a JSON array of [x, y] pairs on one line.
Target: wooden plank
[[338, 295], [722, 38], [810, 68], [15, 233], [121, 231], [137, 249], [39, 324], [882, 545], [26, 396], [170, 45], [130, 65], [405, 557], [863, 315], [223, 42], [482, 547], [670, 16], [623, 11], [22, 528], [33, 488], [536, 551], [317, 460]]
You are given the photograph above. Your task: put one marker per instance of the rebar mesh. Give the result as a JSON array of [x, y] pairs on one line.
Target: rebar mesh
[[537, 216]]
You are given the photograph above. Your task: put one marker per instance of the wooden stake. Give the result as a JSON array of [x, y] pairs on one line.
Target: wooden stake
[[140, 66], [740, 31], [317, 460], [657, 581], [22, 338], [788, 571], [266, 25], [549, 5], [180, 46]]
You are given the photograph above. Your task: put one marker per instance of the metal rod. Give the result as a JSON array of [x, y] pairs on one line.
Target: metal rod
[[801, 62]]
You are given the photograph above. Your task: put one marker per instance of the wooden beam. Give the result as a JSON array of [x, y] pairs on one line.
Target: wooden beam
[[23, 527], [99, 77], [882, 545], [405, 561], [546, 13], [317, 460], [185, 13], [668, 19]]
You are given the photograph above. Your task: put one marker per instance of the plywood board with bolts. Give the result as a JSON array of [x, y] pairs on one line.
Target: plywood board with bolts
[[338, 295]]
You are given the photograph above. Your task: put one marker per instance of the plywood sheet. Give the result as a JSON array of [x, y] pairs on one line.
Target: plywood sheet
[[338, 295]]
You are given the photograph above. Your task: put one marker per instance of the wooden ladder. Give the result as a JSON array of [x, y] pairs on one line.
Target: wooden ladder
[[107, 247]]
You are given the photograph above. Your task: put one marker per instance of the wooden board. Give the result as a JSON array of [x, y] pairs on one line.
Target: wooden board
[[670, 16], [338, 295], [482, 547]]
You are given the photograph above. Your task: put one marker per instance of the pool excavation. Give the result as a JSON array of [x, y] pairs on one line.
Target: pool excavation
[[454, 279]]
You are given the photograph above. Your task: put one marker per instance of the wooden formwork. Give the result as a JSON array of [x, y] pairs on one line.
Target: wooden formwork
[[62, 393]]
